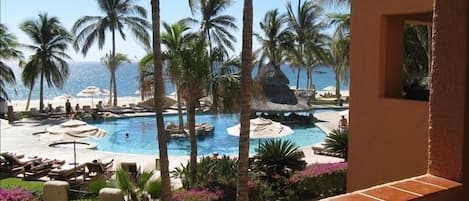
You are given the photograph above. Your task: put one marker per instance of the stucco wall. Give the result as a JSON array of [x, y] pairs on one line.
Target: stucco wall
[[388, 136]]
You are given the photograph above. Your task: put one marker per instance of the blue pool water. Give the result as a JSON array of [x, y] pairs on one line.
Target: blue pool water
[[142, 136]]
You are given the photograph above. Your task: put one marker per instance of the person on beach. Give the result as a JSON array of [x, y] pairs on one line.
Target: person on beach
[[343, 123], [77, 108], [68, 107]]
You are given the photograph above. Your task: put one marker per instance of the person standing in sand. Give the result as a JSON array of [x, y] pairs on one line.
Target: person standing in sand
[[68, 107]]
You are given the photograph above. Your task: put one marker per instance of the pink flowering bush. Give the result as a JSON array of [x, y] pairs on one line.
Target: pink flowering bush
[[198, 195], [16, 194], [318, 170], [320, 180]]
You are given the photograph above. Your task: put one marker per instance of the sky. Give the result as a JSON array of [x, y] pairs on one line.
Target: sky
[[13, 12]]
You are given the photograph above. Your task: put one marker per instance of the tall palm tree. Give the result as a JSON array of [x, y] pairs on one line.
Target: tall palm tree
[[118, 14], [275, 38], [145, 76], [112, 64], [49, 62], [338, 59], [158, 99], [304, 25], [246, 85], [338, 56], [194, 76], [215, 28], [174, 39], [8, 44]]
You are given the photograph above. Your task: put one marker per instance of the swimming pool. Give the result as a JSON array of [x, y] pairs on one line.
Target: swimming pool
[[142, 136]]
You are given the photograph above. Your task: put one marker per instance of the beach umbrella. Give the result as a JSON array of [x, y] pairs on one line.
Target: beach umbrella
[[63, 97], [75, 129], [329, 88], [261, 128], [92, 91]]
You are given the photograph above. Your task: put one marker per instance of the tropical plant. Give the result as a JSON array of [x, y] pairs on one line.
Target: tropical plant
[[198, 195], [118, 14], [175, 38], [417, 57], [275, 37], [242, 193], [194, 75], [320, 180], [145, 75], [49, 61], [337, 142], [337, 57], [211, 173], [112, 64], [141, 189], [279, 157], [8, 44], [216, 29], [305, 26], [158, 99]]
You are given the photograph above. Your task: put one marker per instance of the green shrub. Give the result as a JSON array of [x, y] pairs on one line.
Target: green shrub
[[320, 180]]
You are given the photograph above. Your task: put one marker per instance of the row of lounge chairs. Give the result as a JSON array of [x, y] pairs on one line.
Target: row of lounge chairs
[[35, 167]]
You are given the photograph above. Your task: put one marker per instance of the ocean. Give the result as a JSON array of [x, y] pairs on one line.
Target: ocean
[[83, 74]]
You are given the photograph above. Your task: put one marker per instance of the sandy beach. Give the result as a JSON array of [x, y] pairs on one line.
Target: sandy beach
[[20, 105]]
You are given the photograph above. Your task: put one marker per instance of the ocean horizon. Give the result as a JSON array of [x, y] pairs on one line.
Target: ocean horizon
[[83, 74]]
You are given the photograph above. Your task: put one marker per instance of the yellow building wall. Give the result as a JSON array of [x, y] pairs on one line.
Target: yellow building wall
[[388, 135]]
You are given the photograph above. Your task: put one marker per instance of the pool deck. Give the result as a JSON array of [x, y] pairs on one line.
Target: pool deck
[[19, 139]]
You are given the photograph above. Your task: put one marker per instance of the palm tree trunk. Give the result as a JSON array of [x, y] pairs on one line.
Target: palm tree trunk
[[41, 91], [114, 87], [214, 86], [29, 97], [298, 78], [311, 85], [193, 139], [308, 78], [158, 98], [181, 120], [113, 55], [245, 102], [110, 90], [337, 85]]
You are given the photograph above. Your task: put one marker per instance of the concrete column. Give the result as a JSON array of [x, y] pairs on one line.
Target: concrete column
[[449, 90], [56, 191], [111, 194]]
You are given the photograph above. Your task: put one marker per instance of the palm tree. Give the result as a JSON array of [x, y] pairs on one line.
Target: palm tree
[[337, 142], [275, 38], [338, 55], [145, 76], [112, 64], [245, 103], [304, 25], [8, 44], [141, 189], [215, 28], [50, 40], [158, 99], [119, 13], [194, 75], [417, 59], [175, 37]]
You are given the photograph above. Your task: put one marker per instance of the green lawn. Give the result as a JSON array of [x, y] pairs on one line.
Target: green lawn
[[11, 182]]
